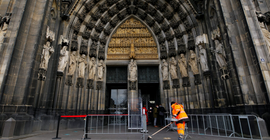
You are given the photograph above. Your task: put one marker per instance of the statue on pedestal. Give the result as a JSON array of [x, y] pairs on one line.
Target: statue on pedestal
[[3, 27], [220, 55], [92, 68], [101, 69], [165, 70], [193, 62], [47, 50], [63, 58], [132, 67], [72, 63], [173, 68], [82, 65], [203, 59], [182, 63], [46, 55], [266, 33]]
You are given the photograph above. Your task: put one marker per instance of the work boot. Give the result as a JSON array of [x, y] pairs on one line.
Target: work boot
[[181, 137]]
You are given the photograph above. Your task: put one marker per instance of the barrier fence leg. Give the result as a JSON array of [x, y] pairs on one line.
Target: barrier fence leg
[[86, 129], [57, 131]]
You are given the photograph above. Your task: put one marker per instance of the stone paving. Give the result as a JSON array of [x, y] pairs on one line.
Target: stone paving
[[76, 134]]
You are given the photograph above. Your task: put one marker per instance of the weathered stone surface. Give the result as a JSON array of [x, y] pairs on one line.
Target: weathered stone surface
[[8, 128]]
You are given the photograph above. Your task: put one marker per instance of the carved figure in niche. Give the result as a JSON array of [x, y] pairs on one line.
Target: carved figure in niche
[[92, 68], [265, 32], [82, 65], [101, 69], [72, 63], [220, 55], [3, 27], [46, 55], [132, 52], [203, 59], [182, 63], [173, 68], [63, 59], [50, 36], [132, 67], [165, 70], [193, 62]]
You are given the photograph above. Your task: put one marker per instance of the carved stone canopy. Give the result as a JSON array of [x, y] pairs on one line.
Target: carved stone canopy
[[74, 45], [191, 43], [267, 17], [159, 18], [161, 7], [83, 48]]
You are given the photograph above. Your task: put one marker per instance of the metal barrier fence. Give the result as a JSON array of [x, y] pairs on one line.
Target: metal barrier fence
[[65, 116], [225, 125], [112, 124]]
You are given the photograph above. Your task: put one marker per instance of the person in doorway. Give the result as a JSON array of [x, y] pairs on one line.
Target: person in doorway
[[155, 115], [179, 113], [161, 113], [150, 117], [144, 112]]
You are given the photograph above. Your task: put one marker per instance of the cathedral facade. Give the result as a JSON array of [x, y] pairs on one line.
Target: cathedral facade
[[97, 56]]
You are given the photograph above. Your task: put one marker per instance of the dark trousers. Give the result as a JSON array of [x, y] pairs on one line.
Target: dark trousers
[[161, 120]]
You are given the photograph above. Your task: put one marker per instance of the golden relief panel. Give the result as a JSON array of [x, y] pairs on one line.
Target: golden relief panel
[[132, 34]]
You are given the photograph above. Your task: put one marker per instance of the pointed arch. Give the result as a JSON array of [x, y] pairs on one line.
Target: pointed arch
[[132, 34]]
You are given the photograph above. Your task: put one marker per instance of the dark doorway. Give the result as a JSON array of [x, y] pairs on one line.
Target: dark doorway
[[116, 90], [149, 92], [148, 85], [116, 98]]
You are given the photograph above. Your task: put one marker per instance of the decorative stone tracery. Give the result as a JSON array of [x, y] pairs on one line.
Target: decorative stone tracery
[[132, 35]]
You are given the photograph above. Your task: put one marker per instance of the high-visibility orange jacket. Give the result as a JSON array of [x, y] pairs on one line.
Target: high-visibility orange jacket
[[178, 112]]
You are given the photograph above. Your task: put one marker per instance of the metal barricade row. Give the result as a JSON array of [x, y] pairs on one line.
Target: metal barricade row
[[111, 124], [225, 125]]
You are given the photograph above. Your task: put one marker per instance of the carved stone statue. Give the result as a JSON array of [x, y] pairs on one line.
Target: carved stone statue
[[82, 65], [266, 34], [3, 28], [46, 54], [132, 67], [92, 68], [101, 69], [193, 62], [132, 52], [50, 36], [262, 19], [182, 63], [173, 68], [203, 59], [220, 55], [165, 70], [63, 58], [72, 63]]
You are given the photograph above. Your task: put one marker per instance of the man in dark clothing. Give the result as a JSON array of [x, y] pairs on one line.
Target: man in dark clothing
[[150, 112], [161, 114]]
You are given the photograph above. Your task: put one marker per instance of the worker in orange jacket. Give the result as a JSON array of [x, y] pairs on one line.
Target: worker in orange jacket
[[179, 113]]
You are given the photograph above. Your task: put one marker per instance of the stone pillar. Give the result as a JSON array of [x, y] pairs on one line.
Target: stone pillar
[[8, 48]]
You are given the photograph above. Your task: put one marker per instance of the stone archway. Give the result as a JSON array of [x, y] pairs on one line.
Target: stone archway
[[93, 23]]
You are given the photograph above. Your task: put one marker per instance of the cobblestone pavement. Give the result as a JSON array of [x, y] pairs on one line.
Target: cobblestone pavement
[[76, 134]]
